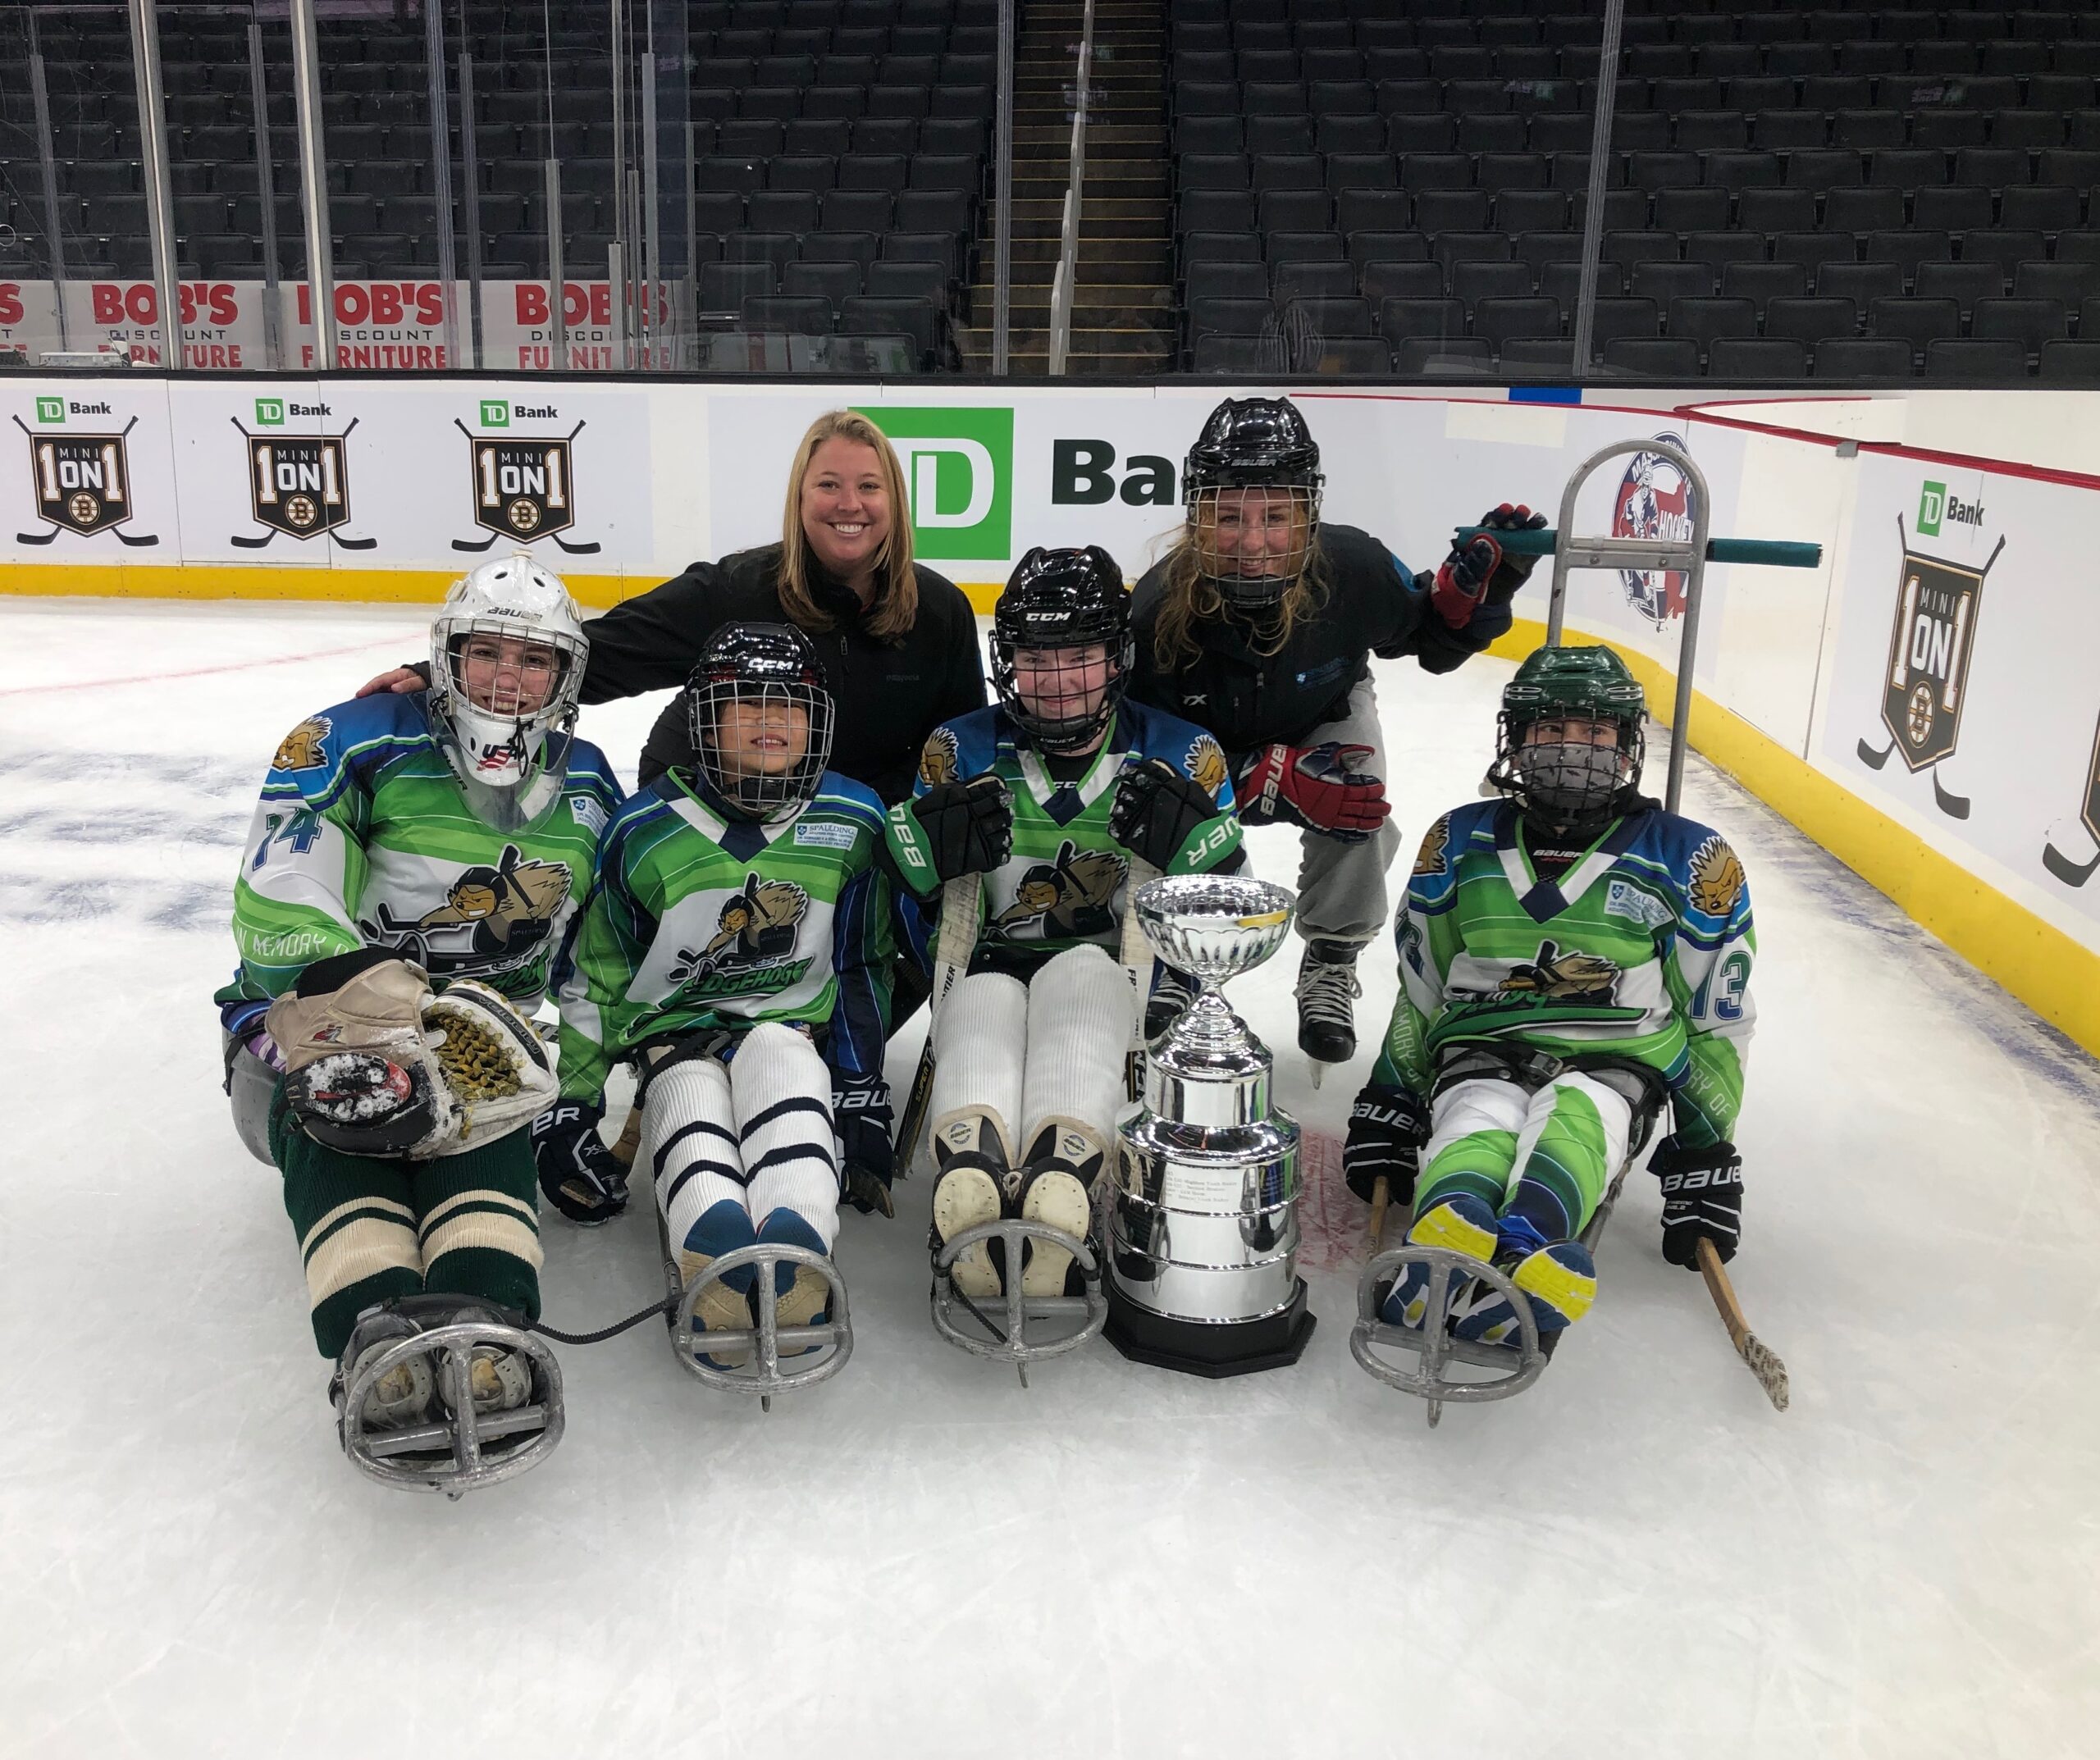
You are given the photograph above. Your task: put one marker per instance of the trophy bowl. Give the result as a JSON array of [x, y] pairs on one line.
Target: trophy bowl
[[1213, 926]]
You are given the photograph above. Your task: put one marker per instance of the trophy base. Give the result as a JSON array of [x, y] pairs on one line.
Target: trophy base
[[1215, 1350]]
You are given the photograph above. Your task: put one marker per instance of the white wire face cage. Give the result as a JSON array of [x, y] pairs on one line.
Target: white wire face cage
[[501, 737], [1253, 572], [761, 782]]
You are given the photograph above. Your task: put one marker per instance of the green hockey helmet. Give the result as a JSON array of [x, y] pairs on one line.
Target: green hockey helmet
[[1541, 762]]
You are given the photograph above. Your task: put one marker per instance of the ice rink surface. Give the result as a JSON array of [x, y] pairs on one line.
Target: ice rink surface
[[1637, 1557]]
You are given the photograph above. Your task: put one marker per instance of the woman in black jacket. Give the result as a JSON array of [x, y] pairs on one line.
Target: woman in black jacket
[[898, 642]]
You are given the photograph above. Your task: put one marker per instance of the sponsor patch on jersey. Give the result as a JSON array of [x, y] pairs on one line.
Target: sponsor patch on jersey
[[826, 834], [1717, 877], [1636, 904], [1205, 763], [1434, 856], [937, 759], [589, 812], [302, 749]]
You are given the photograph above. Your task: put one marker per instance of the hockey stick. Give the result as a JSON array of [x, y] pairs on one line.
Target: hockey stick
[[2065, 869], [1873, 760], [1764, 1362], [349, 543], [1136, 956], [488, 543], [1954, 806], [576, 549], [253, 543], [31, 537], [953, 944], [1382, 1197], [630, 1138], [137, 544]]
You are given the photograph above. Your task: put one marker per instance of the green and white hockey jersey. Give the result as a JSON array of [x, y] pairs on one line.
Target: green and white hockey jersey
[[1640, 951], [364, 838], [700, 918], [1064, 882]]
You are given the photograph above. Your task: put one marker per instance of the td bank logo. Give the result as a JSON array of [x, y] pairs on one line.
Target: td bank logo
[[51, 409], [959, 471], [269, 412], [1932, 504]]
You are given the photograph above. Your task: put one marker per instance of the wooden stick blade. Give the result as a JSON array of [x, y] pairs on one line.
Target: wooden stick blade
[[1765, 1364]]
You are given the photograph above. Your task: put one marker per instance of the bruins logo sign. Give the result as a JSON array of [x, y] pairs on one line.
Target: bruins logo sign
[[1072, 896], [1205, 763], [524, 489], [1557, 977], [299, 485], [303, 748], [1433, 857], [937, 759], [81, 483], [756, 931], [1717, 877]]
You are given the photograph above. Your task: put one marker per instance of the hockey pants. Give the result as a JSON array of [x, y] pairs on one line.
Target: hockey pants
[[742, 1152], [1044, 1056], [371, 1230], [1540, 1161], [1341, 887]]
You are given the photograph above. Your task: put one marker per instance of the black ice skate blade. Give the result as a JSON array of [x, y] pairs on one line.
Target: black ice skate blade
[[1215, 1353]]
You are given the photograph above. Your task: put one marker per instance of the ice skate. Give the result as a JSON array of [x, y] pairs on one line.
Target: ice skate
[[1461, 1224], [1328, 990]]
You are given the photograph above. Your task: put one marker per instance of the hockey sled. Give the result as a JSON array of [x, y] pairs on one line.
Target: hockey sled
[[1015, 1327], [762, 1372], [462, 1450], [1506, 1369]]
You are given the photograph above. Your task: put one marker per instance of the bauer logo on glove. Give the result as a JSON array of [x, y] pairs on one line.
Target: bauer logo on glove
[[1324, 788]]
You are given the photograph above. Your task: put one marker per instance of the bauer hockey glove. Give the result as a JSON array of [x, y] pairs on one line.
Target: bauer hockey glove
[[1702, 1196], [1323, 788], [1387, 1127], [1480, 572], [1157, 813], [582, 1178], [954, 828], [860, 1120]]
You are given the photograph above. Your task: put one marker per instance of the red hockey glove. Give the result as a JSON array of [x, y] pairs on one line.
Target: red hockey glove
[[1480, 572], [1323, 788]]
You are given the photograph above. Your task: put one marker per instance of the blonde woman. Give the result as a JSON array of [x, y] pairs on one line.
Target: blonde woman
[[1258, 626], [898, 642]]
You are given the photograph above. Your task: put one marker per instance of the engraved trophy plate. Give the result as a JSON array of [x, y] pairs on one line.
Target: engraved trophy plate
[[1202, 1225]]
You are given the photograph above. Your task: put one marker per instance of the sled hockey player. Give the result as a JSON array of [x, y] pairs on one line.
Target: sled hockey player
[[1571, 958], [1259, 624], [737, 947], [407, 885], [1050, 796]]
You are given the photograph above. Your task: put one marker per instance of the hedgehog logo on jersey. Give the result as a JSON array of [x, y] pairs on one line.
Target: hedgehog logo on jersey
[[1205, 763], [756, 933], [1557, 977], [304, 748], [1717, 877], [1072, 896], [493, 920], [1655, 502], [1433, 858], [938, 758]]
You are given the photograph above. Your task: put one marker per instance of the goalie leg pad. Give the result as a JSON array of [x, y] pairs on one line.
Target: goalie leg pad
[[689, 1148], [478, 1226], [1081, 1008], [979, 1039], [782, 1091]]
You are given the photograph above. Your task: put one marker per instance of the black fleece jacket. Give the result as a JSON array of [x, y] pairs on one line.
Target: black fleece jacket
[[1375, 605]]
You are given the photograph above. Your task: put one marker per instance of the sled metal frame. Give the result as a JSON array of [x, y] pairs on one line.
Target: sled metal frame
[[467, 1435], [764, 1376], [1518, 1366], [1015, 1309], [1571, 553]]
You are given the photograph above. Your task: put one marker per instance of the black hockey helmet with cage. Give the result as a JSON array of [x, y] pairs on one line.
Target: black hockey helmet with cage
[[1570, 782], [767, 666], [1258, 443], [1054, 601]]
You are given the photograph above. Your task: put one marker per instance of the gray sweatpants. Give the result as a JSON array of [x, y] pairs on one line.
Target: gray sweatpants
[[1341, 887]]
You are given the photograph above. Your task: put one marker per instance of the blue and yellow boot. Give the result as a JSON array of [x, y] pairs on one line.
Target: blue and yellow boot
[[1559, 1279], [1462, 1224]]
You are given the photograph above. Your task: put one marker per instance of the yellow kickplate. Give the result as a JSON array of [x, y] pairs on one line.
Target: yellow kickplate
[[1570, 1292], [1444, 1227]]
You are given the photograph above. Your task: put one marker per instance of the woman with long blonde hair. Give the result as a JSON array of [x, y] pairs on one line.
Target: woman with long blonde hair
[[1259, 625], [898, 642]]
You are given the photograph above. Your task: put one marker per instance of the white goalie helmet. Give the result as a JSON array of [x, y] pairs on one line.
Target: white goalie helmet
[[504, 714]]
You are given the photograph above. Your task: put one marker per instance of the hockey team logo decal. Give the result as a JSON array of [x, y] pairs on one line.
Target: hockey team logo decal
[[1431, 859], [1925, 688], [937, 759], [1557, 977], [304, 748], [1655, 501], [298, 485], [493, 920], [1205, 764], [524, 489], [1717, 877], [1072, 896], [81, 483], [755, 936]]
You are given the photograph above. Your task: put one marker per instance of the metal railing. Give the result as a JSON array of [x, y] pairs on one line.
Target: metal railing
[[1064, 283]]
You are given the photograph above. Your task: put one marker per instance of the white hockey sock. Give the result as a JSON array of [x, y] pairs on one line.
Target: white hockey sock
[[979, 1042], [1081, 1009], [689, 1143], [784, 1113]]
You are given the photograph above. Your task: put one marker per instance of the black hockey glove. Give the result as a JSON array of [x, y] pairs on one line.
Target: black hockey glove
[[966, 827], [860, 1119], [1702, 1196], [1515, 570], [582, 1178], [1387, 1127], [1157, 811]]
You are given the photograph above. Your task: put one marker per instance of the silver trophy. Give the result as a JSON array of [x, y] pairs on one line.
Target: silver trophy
[[1203, 1220]]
